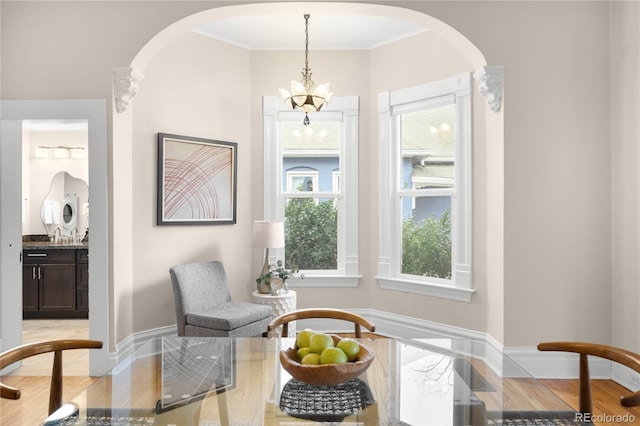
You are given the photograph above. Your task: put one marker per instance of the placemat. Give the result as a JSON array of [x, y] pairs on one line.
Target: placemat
[[325, 403]]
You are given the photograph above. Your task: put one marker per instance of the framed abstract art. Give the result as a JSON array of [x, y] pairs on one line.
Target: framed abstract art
[[196, 181]]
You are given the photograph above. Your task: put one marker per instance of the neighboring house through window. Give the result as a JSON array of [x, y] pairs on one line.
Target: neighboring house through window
[[425, 189], [310, 182]]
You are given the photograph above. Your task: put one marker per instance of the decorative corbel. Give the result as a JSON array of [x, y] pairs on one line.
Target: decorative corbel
[[491, 85], [126, 82]]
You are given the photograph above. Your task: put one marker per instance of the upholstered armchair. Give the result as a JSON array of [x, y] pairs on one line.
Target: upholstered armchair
[[204, 306]]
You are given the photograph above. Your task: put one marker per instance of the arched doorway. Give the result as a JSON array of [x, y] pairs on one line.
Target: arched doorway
[[124, 125]]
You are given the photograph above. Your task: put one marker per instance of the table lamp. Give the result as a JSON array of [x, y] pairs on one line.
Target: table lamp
[[267, 235]]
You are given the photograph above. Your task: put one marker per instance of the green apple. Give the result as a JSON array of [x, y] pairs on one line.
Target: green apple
[[302, 341], [333, 356], [319, 342], [349, 347], [311, 359], [302, 352]]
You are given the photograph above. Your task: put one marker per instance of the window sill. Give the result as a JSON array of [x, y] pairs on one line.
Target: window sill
[[426, 289], [325, 281]]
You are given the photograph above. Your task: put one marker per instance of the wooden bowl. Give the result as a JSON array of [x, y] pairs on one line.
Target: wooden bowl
[[327, 374]]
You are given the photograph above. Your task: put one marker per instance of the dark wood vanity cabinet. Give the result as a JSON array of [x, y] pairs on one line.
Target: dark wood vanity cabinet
[[82, 280], [50, 284]]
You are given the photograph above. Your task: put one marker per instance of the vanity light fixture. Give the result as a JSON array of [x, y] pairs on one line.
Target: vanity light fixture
[[304, 94], [60, 152], [77, 153], [42, 152]]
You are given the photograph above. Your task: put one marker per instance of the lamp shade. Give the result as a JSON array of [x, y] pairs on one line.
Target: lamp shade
[[268, 234]]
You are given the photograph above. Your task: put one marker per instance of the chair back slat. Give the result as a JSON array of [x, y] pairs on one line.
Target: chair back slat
[[619, 355], [358, 320], [56, 346]]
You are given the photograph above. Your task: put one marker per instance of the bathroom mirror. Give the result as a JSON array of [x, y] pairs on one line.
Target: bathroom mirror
[[66, 206]]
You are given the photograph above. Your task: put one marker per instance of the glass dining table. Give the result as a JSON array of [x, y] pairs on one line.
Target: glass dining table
[[240, 381]]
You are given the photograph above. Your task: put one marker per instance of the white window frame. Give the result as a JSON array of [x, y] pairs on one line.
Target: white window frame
[[390, 105], [335, 181], [291, 174], [341, 108]]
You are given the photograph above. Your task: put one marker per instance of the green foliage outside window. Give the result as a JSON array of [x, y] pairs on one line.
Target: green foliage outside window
[[311, 234], [426, 247]]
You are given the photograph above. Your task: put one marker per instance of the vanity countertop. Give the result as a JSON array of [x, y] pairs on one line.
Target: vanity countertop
[[42, 245]]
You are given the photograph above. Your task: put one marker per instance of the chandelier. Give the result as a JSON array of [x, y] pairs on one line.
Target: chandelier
[[304, 94]]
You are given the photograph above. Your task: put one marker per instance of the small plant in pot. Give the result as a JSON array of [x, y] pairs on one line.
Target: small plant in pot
[[276, 279]]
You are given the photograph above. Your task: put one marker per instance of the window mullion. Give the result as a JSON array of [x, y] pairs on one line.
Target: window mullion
[[430, 192], [312, 194]]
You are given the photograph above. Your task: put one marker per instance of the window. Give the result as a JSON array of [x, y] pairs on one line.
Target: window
[[425, 189], [310, 182], [301, 180]]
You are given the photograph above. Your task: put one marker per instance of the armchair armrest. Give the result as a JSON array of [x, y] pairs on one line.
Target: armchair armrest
[[619, 355]]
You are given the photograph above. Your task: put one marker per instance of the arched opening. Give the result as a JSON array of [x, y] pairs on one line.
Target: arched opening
[[202, 87]]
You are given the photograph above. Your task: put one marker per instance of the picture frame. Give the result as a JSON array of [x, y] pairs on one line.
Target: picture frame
[[197, 180]]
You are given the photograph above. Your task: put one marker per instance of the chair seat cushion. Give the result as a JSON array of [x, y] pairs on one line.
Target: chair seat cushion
[[229, 316]]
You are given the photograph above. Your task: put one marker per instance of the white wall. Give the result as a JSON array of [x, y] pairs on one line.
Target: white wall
[[39, 172], [556, 162], [557, 152], [557, 174], [420, 59], [625, 185], [194, 87]]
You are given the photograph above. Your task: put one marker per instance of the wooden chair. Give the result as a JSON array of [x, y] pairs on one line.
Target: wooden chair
[[284, 319], [56, 346], [622, 356]]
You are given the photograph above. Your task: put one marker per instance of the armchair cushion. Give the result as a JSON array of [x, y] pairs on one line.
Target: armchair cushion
[[228, 316]]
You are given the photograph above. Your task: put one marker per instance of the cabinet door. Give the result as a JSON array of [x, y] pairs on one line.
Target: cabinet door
[[82, 287], [29, 288], [57, 288]]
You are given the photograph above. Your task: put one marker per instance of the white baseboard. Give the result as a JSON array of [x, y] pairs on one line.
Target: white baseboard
[[541, 365], [626, 377], [556, 365]]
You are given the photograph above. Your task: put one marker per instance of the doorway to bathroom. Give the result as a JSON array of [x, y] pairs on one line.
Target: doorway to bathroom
[[74, 214]]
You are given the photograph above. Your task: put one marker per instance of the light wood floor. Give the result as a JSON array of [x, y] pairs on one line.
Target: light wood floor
[[33, 379], [75, 363]]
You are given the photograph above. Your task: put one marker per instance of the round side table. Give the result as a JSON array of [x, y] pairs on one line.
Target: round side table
[[280, 304]]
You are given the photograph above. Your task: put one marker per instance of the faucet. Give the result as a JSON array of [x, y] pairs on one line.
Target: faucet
[[56, 237]]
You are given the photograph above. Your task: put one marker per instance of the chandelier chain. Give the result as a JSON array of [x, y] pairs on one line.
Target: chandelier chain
[[308, 83]]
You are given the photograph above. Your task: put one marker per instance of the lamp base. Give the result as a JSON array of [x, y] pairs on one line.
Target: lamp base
[[264, 287]]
